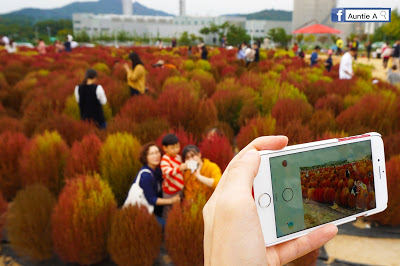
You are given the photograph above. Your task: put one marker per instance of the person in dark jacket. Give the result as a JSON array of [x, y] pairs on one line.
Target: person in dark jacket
[[151, 180], [204, 52], [90, 97]]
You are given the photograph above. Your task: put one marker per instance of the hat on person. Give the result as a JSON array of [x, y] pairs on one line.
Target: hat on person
[[330, 51], [160, 62]]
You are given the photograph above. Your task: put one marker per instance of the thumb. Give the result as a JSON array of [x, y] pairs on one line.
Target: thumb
[[241, 173]]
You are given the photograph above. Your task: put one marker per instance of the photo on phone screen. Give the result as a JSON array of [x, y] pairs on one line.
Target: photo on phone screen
[[316, 187]]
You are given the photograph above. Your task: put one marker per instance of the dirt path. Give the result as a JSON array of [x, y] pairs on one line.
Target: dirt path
[[371, 251]]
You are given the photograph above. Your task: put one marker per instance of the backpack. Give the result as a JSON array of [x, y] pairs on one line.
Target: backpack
[[136, 194]]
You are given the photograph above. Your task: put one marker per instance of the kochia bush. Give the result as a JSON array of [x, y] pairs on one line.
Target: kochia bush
[[11, 146], [84, 157], [135, 237], [28, 223], [81, 220], [119, 163], [257, 127], [43, 161]]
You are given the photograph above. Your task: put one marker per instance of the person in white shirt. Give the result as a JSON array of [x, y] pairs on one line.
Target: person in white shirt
[[346, 64], [90, 97]]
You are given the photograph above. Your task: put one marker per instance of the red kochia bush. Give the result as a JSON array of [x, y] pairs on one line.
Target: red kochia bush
[[69, 129], [11, 146], [217, 149], [360, 119], [3, 213], [81, 220], [43, 161], [177, 106], [139, 109], [10, 124], [185, 228], [135, 237], [391, 216], [28, 223], [288, 110], [257, 127], [322, 121], [84, 157], [332, 102]]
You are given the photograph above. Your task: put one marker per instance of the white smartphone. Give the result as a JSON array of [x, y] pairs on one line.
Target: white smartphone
[[302, 187]]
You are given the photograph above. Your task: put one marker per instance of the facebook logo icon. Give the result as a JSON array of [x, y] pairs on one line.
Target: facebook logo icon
[[337, 15]]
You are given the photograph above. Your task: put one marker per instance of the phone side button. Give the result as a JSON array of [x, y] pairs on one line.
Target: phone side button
[[264, 200]]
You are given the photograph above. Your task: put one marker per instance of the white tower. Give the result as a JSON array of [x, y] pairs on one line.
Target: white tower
[[127, 7], [182, 7]]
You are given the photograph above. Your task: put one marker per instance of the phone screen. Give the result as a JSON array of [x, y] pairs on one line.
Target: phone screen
[[316, 187]]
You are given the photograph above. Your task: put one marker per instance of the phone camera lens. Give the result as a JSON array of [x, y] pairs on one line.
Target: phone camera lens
[[378, 160]]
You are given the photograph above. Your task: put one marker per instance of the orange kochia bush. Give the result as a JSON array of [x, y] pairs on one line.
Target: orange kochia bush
[[81, 220], [11, 146], [84, 157], [185, 228], [135, 237]]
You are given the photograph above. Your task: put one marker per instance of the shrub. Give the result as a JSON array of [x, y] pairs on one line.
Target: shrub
[[11, 146], [28, 223], [13, 98], [139, 109], [101, 67], [203, 64], [81, 220], [177, 106], [10, 124], [257, 127], [43, 161], [322, 121], [150, 130], [229, 104], [135, 237], [84, 157], [392, 145], [391, 216], [205, 115], [331, 102], [217, 149], [359, 118], [119, 163], [185, 229], [69, 129], [252, 80], [206, 81], [36, 113], [341, 87], [296, 131], [287, 110], [3, 214]]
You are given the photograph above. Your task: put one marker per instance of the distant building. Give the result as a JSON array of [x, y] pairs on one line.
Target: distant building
[[151, 26], [260, 28], [182, 7]]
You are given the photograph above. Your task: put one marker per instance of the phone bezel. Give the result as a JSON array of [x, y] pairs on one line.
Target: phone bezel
[[263, 184]]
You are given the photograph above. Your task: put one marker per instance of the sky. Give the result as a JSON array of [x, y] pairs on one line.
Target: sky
[[201, 7]]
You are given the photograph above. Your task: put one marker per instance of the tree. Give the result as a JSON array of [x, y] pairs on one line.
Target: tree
[[310, 38], [82, 36], [236, 35], [299, 37], [323, 39], [184, 39], [392, 29], [279, 36]]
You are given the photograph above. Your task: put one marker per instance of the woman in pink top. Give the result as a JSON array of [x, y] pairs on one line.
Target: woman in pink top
[[41, 47]]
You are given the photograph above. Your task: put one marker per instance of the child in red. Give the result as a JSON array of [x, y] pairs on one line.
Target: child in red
[[172, 169]]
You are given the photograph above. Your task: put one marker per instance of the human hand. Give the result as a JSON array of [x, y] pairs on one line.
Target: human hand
[[183, 167], [175, 198], [126, 67], [232, 230]]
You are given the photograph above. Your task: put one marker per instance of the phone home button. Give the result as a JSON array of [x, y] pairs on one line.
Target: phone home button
[[264, 200]]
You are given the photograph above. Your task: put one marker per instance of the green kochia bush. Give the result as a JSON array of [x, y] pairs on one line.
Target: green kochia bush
[[28, 223], [135, 237], [81, 220], [119, 163]]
